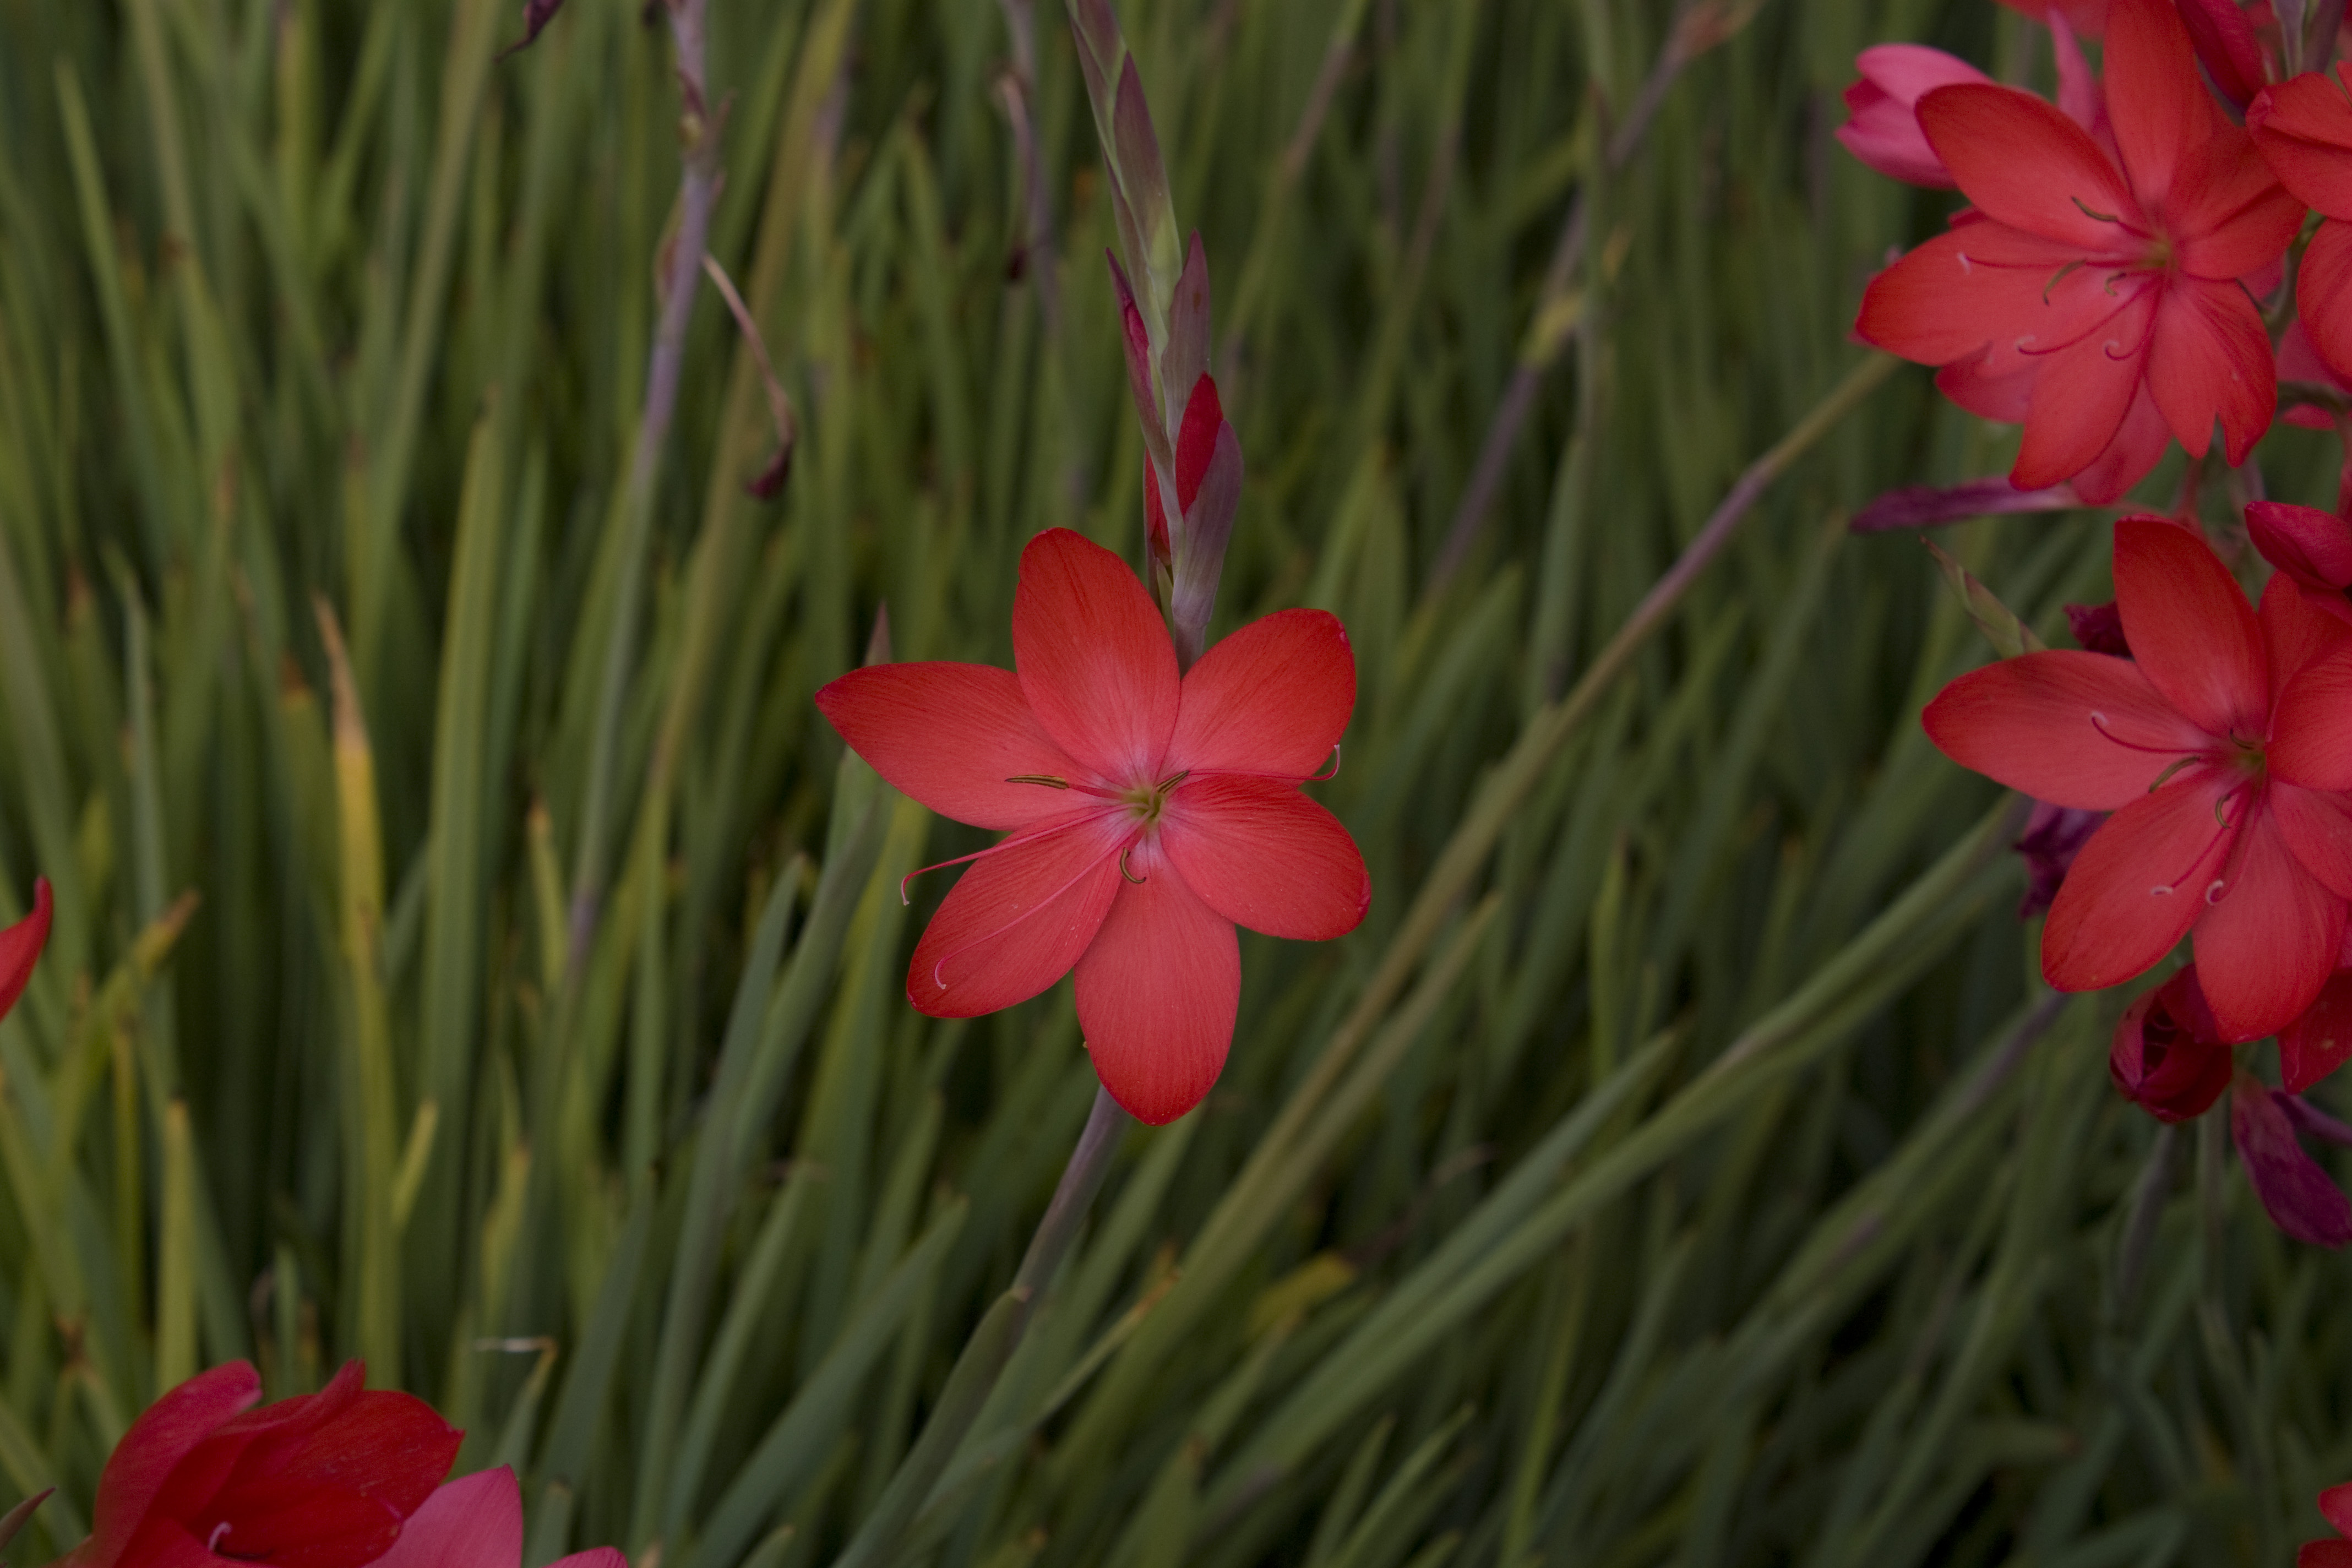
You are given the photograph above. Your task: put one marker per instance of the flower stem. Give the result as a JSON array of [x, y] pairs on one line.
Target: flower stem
[[990, 1349]]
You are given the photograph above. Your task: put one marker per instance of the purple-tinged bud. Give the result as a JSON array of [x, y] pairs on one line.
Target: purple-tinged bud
[[2296, 1192], [2098, 628], [2053, 836]]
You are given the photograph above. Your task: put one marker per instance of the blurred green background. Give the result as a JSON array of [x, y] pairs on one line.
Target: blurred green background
[[1680, 1165]]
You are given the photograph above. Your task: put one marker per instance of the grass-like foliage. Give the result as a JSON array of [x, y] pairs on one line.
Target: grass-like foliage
[[474, 952]]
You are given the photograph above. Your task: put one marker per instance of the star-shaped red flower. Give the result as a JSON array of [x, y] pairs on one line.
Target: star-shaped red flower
[[1150, 813]]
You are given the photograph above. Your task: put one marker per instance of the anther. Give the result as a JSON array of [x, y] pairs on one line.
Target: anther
[[1171, 781], [2091, 212], [1122, 865], [1048, 780]]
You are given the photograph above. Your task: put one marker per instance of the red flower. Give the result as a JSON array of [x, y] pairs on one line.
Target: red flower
[[2303, 129], [2168, 1057], [476, 1522], [2335, 1502], [1151, 814], [2093, 297], [323, 1481], [2220, 747], [20, 946]]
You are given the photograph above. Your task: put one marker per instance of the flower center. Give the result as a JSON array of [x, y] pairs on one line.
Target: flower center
[[1147, 803]]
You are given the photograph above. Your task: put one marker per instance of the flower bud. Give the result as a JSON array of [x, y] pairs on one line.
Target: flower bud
[[2167, 1057]]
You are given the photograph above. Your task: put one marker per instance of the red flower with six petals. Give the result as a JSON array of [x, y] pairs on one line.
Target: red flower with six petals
[[2219, 746], [2094, 297], [1151, 814], [323, 1481]]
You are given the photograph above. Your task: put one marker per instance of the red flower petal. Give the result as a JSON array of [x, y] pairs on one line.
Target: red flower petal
[[2323, 294], [2162, 115], [2316, 1043], [952, 736], [165, 1433], [1158, 992], [472, 1522], [2317, 825], [2324, 1554], [2304, 129], [2190, 628], [2297, 630], [2024, 164], [2135, 447], [1984, 285], [321, 1481], [1272, 699], [2310, 546], [2210, 358], [2083, 392], [2225, 43], [1019, 918], [2311, 728], [1095, 660], [2297, 1194], [2081, 730], [1263, 855], [2138, 885], [2267, 943], [2335, 1506], [21, 944]]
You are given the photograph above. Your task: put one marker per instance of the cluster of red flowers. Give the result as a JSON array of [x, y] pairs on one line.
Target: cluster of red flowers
[[2106, 287], [2130, 269]]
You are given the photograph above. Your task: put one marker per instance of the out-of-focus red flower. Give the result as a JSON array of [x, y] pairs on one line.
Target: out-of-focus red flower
[[2221, 748], [1149, 814], [20, 947], [323, 1481], [2297, 1194], [475, 1521], [2167, 1057], [2096, 298], [2335, 1504]]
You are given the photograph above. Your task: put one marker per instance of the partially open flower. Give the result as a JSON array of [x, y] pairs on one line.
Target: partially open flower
[[1881, 125], [2168, 1057]]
